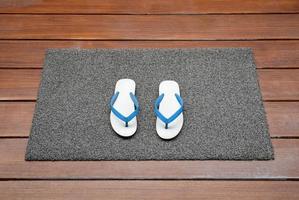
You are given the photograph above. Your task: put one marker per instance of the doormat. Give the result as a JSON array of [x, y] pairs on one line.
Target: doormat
[[224, 117]]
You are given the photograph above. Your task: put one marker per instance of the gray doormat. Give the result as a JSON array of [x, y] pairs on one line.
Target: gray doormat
[[223, 119]]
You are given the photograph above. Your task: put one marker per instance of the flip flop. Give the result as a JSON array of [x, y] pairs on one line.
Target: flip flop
[[124, 108], [169, 110]]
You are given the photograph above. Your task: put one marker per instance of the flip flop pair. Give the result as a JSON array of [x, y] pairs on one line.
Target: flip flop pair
[[168, 109]]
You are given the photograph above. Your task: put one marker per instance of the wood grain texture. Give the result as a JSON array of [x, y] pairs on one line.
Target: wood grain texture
[[148, 190], [150, 27], [149, 7], [276, 84], [30, 54], [285, 166], [16, 117], [19, 84], [283, 118], [279, 84]]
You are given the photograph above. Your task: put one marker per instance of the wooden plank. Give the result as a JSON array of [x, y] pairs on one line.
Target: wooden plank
[[150, 27], [276, 84], [285, 166], [149, 190], [283, 118], [16, 117], [19, 84], [30, 54], [150, 7], [279, 84]]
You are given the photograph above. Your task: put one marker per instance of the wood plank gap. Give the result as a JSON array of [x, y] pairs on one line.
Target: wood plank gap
[[272, 137], [278, 100]]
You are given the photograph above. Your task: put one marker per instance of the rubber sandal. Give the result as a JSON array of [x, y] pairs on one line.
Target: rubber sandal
[[124, 108], [169, 110]]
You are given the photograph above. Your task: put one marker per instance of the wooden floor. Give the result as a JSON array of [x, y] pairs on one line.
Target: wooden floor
[[28, 28]]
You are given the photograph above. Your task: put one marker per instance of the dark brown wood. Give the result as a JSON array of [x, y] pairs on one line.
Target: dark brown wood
[[16, 117], [150, 27], [276, 84], [161, 190], [30, 54], [285, 166], [149, 7]]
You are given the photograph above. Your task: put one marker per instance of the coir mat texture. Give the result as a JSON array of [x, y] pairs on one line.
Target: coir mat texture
[[224, 117]]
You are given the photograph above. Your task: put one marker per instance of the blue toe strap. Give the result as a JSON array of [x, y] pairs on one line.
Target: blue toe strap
[[118, 114], [174, 116]]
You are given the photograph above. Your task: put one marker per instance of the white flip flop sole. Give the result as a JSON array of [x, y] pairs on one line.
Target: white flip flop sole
[[168, 106], [125, 106]]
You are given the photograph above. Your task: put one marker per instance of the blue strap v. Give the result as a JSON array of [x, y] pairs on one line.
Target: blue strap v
[[118, 114], [174, 116]]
